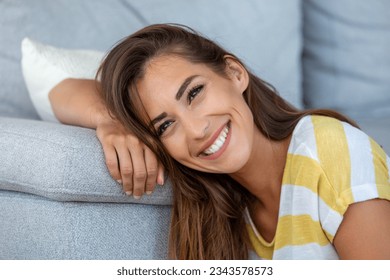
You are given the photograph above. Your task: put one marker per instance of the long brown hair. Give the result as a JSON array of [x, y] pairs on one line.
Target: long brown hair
[[207, 215]]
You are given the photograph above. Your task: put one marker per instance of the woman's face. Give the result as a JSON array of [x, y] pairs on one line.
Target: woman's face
[[201, 117]]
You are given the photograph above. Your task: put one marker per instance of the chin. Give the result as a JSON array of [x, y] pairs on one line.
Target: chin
[[225, 167], [235, 166]]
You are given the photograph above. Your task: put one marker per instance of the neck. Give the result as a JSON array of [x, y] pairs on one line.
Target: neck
[[263, 173]]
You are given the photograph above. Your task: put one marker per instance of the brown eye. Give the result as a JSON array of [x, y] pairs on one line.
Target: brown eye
[[193, 93], [161, 129]]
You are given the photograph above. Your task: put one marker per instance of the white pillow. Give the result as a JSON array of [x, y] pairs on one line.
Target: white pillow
[[45, 66]]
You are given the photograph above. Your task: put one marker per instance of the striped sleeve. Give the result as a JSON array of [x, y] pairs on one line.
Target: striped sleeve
[[355, 167]]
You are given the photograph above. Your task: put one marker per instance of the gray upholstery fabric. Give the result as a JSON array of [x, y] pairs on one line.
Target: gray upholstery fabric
[[346, 58], [269, 45], [36, 228], [378, 129], [63, 163], [67, 23]]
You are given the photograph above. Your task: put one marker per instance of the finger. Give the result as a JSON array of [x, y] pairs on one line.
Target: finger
[[112, 162], [151, 164], [139, 171], [126, 169], [160, 174]]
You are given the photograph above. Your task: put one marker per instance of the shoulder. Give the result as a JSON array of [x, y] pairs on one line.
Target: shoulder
[[342, 165], [348, 150], [330, 132], [335, 142], [348, 156], [316, 136], [354, 167]]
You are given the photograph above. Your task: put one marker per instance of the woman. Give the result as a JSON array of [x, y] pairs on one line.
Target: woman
[[249, 171]]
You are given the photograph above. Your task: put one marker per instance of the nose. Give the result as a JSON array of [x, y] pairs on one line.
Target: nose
[[195, 126]]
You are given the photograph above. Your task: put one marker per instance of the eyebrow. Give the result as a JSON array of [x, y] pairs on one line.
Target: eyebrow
[[183, 86], [158, 118], [179, 94]]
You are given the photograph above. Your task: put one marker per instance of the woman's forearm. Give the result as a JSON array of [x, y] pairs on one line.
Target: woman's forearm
[[77, 102]]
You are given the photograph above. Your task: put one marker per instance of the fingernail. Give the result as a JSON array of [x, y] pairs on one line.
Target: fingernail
[[137, 196], [160, 181], [129, 193], [119, 181], [149, 192]]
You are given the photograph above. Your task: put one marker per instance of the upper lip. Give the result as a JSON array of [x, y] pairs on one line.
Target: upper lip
[[212, 139]]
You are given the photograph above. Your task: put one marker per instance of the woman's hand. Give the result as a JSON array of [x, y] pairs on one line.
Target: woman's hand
[[129, 161]]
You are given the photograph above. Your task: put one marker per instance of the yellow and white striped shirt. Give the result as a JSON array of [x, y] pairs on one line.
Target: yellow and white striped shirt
[[330, 164]]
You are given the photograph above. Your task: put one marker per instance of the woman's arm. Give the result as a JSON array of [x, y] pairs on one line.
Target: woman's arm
[[130, 162], [365, 231], [76, 102]]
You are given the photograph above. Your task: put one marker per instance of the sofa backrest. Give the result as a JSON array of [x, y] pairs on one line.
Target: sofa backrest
[[265, 34], [346, 56]]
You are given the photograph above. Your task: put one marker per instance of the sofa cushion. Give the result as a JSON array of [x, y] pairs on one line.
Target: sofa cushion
[[346, 59], [34, 228], [62, 163], [266, 34]]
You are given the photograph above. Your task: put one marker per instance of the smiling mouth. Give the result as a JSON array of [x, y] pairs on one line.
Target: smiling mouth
[[219, 142]]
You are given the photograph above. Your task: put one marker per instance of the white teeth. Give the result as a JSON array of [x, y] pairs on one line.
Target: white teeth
[[218, 143]]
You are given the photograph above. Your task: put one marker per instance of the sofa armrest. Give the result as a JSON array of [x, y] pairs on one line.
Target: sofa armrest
[[62, 163]]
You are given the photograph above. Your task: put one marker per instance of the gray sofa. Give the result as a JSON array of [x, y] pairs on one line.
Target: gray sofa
[[57, 200]]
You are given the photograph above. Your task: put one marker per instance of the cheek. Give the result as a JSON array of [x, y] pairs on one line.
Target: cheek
[[241, 111], [176, 148], [228, 97]]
